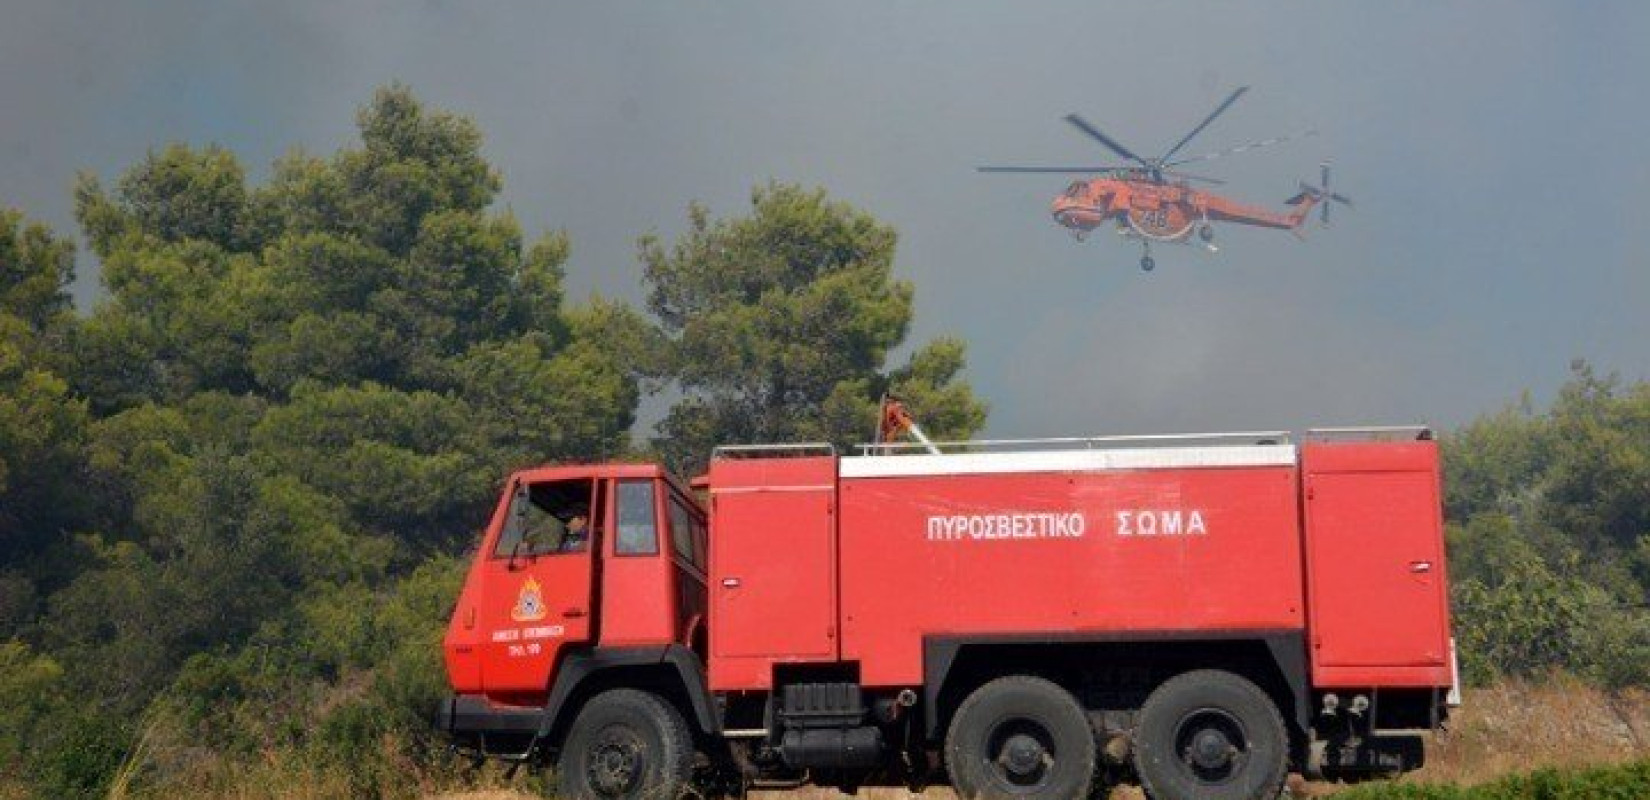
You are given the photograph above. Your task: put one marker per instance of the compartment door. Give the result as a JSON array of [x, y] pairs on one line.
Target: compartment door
[[1376, 573], [773, 578]]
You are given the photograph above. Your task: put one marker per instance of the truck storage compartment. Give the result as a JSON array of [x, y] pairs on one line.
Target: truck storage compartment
[[1375, 564], [773, 565]]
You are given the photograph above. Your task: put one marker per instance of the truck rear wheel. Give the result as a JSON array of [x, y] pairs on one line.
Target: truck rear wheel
[[1020, 737], [626, 744], [1211, 735]]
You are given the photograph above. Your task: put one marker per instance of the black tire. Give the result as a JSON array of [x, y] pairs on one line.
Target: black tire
[[626, 744], [1020, 737], [1210, 735], [1147, 264]]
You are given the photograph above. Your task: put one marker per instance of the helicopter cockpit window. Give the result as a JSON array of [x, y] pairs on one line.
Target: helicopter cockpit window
[[1076, 189]]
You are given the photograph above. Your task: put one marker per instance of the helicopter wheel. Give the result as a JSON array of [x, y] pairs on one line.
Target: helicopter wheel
[[1147, 264], [1206, 233]]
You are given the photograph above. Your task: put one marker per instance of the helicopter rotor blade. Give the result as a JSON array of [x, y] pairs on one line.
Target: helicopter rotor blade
[[1323, 193], [1242, 148], [1205, 123], [1094, 133], [1074, 170]]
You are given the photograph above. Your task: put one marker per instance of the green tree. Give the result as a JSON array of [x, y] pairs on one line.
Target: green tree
[[28, 682], [779, 327], [1550, 536], [42, 426], [36, 267], [300, 397]]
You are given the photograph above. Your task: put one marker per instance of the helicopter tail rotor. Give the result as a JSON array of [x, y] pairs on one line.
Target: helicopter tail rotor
[[1320, 195]]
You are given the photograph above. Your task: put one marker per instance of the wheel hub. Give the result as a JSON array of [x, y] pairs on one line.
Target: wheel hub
[[1023, 755], [1213, 745], [615, 765], [1211, 749]]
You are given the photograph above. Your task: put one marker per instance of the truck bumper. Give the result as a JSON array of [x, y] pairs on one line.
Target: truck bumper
[[468, 716]]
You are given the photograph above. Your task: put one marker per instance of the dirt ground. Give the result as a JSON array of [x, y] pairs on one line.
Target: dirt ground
[[1509, 728]]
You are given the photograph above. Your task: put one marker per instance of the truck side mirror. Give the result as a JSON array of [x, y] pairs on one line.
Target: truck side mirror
[[517, 524]]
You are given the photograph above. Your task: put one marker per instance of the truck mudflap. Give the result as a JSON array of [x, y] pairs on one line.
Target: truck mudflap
[[1453, 699]]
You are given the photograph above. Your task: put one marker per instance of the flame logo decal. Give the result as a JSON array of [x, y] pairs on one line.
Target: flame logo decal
[[529, 604]]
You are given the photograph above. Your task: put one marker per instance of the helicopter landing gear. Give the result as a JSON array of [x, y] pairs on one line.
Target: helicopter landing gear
[[1206, 234], [1146, 262]]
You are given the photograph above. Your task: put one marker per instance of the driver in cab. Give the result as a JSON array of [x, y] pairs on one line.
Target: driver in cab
[[564, 530]]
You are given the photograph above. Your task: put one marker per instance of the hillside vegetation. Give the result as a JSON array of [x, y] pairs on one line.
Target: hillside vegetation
[[236, 495]]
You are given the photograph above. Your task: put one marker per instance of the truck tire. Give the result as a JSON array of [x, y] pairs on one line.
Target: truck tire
[[1210, 735], [626, 744], [1020, 737]]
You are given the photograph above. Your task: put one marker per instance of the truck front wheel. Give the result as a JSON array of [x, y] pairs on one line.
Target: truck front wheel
[[1211, 735], [626, 744], [1020, 737]]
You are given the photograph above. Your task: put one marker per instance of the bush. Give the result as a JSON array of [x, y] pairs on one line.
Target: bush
[[1628, 782]]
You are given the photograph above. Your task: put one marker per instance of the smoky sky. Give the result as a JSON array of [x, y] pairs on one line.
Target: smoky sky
[[1496, 150]]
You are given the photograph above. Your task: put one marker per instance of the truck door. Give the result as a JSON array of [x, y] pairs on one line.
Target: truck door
[[538, 596], [1379, 610]]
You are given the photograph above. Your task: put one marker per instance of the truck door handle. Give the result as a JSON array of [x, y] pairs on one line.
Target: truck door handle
[[573, 612], [1420, 566], [730, 583]]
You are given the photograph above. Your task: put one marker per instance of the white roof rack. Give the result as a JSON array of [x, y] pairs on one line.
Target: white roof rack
[[1235, 438], [1370, 433], [796, 450]]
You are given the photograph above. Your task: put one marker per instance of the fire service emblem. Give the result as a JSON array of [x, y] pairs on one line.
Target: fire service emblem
[[529, 604]]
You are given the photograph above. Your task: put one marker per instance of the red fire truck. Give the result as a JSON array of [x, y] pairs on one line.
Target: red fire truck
[[1019, 619]]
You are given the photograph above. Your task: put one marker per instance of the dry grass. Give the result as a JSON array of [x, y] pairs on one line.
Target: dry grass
[[1519, 727]]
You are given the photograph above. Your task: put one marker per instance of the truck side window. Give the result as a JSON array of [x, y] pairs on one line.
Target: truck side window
[[547, 518], [683, 535], [701, 543], [638, 534]]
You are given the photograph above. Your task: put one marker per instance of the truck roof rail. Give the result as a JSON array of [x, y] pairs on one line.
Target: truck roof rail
[[796, 450], [1235, 438], [1371, 433]]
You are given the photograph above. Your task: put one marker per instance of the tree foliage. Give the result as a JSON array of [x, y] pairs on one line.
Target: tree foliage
[[1550, 534], [43, 427], [290, 404], [780, 324]]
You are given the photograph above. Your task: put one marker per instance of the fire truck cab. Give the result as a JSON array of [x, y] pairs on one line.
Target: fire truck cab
[[1019, 619]]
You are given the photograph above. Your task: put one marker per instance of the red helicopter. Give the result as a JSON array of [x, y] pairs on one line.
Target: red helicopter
[[1153, 202]]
